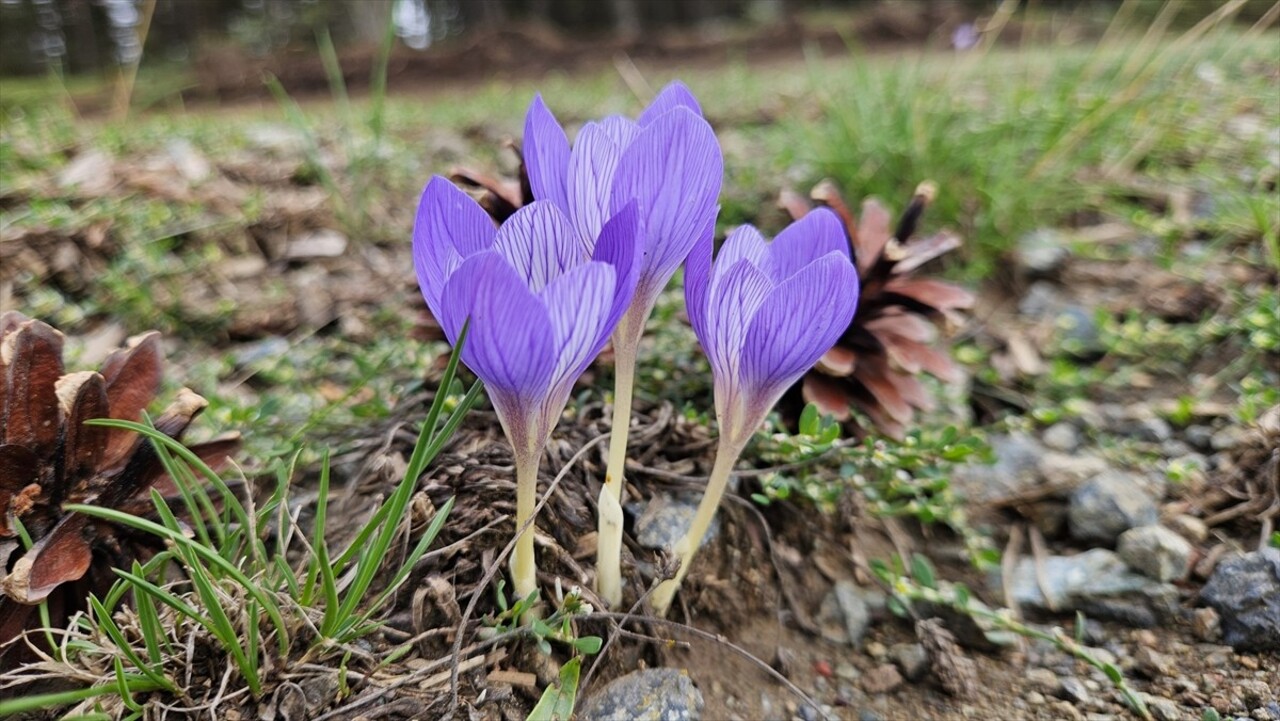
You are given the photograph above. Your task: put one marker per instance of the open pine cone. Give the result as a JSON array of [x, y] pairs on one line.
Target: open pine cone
[[50, 457], [893, 336]]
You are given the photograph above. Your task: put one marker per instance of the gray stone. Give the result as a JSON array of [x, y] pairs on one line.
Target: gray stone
[[90, 173], [652, 694], [912, 659], [1096, 582], [1152, 429], [1041, 299], [665, 520], [1062, 437], [1156, 552], [846, 613], [1071, 689], [1017, 459], [1043, 251], [1165, 710], [1070, 470], [268, 348], [1107, 505], [1199, 436], [1228, 438], [1078, 331], [275, 138], [1245, 591]]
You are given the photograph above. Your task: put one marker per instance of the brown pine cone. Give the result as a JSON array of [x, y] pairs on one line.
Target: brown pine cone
[[50, 457], [894, 335]]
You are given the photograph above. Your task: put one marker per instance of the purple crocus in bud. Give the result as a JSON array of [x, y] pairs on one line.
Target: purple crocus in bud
[[669, 164], [541, 304], [764, 313]]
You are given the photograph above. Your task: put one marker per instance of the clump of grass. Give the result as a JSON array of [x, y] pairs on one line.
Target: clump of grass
[[238, 589], [1016, 143]]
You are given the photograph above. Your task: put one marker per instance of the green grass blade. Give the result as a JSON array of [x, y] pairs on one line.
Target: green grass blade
[[108, 625], [39, 702], [427, 539], [185, 544]]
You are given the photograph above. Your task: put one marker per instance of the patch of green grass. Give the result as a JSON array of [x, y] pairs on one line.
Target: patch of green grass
[[238, 583]]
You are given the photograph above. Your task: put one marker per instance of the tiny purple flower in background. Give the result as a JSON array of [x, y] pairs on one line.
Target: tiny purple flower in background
[[764, 313], [541, 305], [965, 37], [669, 164]]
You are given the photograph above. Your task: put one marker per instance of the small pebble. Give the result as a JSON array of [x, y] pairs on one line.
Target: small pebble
[[882, 679], [1071, 689], [1206, 625]]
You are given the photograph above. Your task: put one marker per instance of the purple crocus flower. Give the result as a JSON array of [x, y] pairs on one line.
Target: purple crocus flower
[[541, 305], [764, 314], [667, 160], [669, 164]]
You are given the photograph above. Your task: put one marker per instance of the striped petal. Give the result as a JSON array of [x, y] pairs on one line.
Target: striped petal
[[450, 226], [675, 95], [617, 247], [540, 244], [510, 343], [579, 303], [673, 171], [546, 154], [591, 170], [734, 302], [817, 234], [801, 319]]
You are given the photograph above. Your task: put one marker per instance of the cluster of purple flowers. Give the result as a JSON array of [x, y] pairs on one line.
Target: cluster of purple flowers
[[614, 216]]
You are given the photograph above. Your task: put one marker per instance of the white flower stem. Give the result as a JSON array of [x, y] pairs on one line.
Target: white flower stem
[[609, 527], [524, 568], [727, 453]]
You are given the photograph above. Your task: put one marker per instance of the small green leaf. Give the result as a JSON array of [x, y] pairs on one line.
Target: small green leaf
[[1113, 673], [589, 645], [922, 571], [557, 701], [1210, 714], [809, 420]]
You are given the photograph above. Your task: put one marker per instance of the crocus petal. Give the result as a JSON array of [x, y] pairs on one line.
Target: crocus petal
[[622, 131], [509, 343], [539, 243], [617, 247], [799, 321], [817, 234], [591, 171], [579, 303], [675, 95], [734, 302], [546, 154], [450, 226], [697, 282], [742, 243], [673, 170]]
